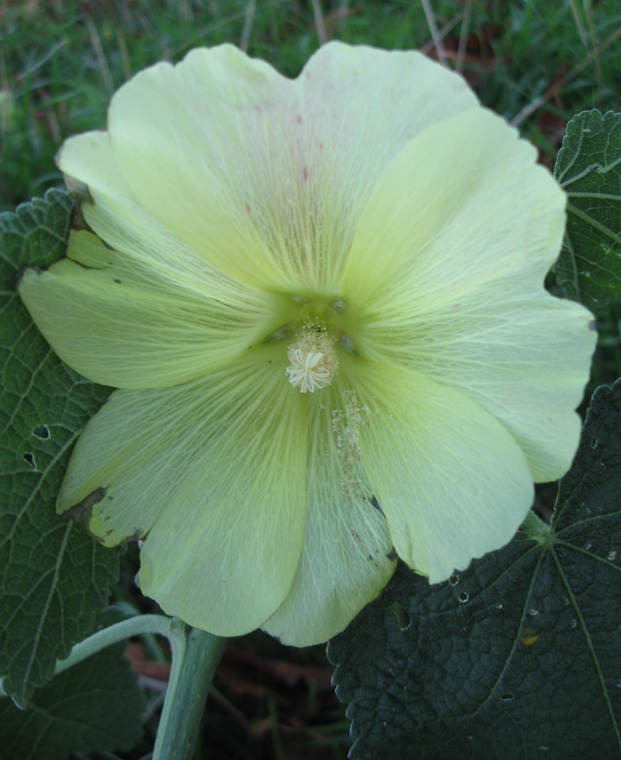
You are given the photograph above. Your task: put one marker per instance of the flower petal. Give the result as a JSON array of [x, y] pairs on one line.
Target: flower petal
[[450, 479], [463, 204], [260, 174], [523, 358], [89, 168], [213, 473], [360, 107], [459, 293], [345, 559], [148, 312]]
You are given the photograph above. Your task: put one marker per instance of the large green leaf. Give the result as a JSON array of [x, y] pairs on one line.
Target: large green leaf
[[54, 576], [520, 656], [588, 167], [95, 705]]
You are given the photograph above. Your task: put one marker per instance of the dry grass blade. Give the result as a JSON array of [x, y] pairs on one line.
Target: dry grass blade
[[579, 25], [39, 62], [101, 58], [463, 37], [435, 33], [320, 24], [120, 38], [446, 29], [248, 19]]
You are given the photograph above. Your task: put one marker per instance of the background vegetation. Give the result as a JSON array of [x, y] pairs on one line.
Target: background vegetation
[[537, 63]]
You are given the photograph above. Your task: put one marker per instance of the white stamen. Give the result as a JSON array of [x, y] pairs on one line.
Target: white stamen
[[312, 361]]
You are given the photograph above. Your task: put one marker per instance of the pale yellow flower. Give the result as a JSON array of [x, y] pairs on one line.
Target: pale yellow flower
[[318, 297]]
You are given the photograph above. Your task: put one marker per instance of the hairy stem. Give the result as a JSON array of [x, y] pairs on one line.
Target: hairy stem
[[196, 654]]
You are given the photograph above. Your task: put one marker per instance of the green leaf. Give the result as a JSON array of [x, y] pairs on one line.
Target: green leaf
[[96, 705], [519, 657], [54, 576], [588, 167]]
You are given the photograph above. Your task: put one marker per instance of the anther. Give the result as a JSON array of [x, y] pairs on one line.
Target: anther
[[312, 361]]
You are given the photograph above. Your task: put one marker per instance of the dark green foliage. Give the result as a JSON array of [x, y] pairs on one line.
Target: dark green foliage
[[519, 657], [589, 168], [95, 705], [54, 576]]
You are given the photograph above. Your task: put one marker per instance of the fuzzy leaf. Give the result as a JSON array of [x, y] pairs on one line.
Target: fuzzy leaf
[[520, 656], [588, 167], [96, 705], [54, 576]]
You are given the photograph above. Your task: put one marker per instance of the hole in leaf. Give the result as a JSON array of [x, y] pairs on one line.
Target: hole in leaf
[[508, 697], [42, 432], [403, 619], [31, 460], [463, 597]]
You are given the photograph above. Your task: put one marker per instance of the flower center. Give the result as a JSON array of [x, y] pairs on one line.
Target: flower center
[[312, 359]]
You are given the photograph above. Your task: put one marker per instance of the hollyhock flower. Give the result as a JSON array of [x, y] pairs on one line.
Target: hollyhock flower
[[322, 303]]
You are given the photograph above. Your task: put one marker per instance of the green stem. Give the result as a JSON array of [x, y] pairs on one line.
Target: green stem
[[148, 639], [113, 634], [195, 657]]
